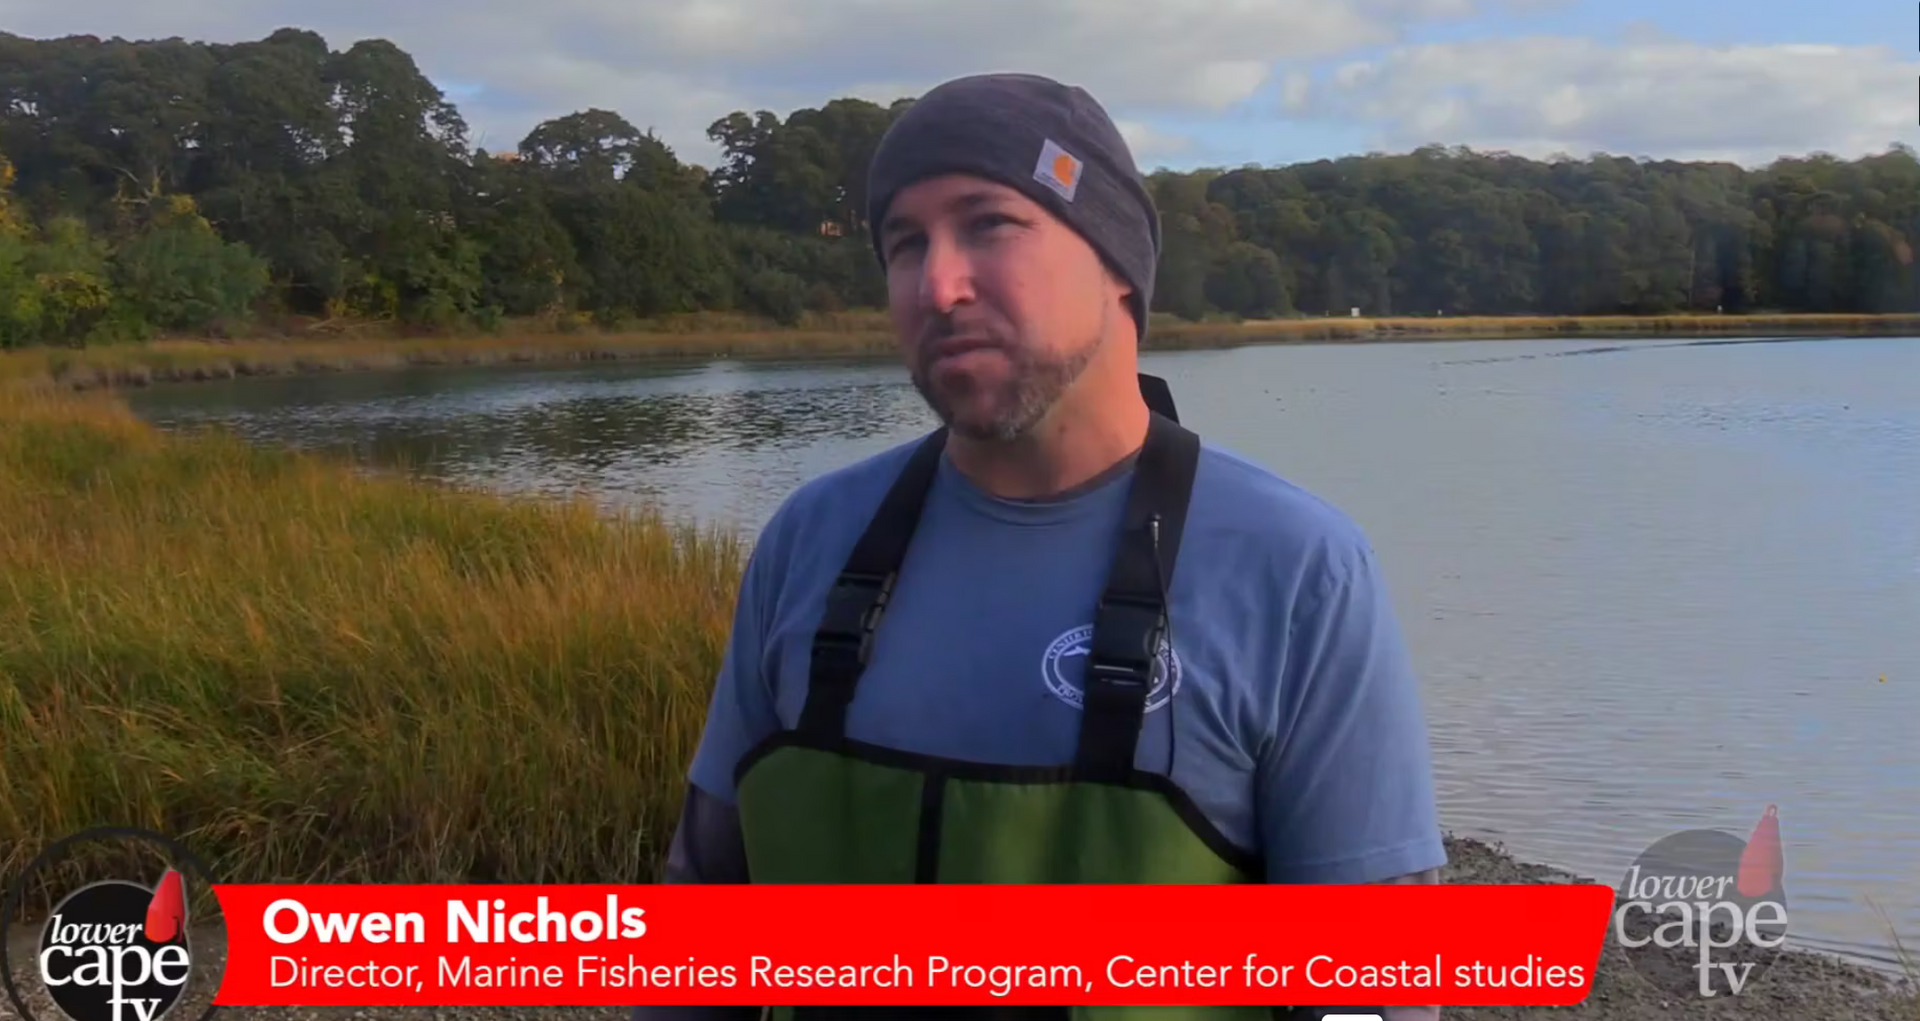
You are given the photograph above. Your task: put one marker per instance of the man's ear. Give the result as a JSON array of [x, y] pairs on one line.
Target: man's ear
[[1121, 290]]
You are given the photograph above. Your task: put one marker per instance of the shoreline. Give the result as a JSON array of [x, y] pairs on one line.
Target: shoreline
[[1800, 985], [832, 337]]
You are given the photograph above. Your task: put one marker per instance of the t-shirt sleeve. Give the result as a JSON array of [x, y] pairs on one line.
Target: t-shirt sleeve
[[1346, 783], [743, 710]]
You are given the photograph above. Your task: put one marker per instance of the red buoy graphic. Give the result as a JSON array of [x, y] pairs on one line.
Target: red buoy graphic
[[168, 912], [1760, 861]]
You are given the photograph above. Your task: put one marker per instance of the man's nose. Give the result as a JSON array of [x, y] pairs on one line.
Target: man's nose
[[946, 275]]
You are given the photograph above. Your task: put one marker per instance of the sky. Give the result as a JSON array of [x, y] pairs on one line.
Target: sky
[[1191, 82]]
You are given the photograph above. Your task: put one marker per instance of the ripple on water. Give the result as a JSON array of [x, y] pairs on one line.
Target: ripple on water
[[1649, 588]]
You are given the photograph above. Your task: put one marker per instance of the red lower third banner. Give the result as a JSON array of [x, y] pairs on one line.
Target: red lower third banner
[[914, 946]]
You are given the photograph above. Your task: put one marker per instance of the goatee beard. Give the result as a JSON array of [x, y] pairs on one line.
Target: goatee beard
[[1034, 386]]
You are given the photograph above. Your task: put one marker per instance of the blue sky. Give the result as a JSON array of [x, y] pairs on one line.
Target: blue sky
[[1194, 82]]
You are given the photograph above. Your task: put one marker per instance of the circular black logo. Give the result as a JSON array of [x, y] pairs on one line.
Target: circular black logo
[[128, 929], [117, 951], [1703, 912]]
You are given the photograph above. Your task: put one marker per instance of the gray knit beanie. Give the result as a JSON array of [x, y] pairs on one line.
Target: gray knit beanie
[[1052, 142]]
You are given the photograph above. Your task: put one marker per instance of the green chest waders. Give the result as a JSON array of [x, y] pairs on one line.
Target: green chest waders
[[819, 807]]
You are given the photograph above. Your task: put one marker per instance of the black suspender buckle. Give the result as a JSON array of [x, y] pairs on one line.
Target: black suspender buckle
[[841, 648], [1126, 639], [1119, 676], [854, 606], [843, 642]]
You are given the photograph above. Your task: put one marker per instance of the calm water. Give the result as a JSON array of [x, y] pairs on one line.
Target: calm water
[[1650, 587]]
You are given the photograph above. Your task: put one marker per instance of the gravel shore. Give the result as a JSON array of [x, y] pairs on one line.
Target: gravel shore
[[1797, 987]]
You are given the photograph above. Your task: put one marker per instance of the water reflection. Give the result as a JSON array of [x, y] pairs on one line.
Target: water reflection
[[710, 441], [1648, 588]]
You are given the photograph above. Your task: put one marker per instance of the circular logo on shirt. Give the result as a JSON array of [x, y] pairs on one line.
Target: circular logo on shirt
[[1065, 663]]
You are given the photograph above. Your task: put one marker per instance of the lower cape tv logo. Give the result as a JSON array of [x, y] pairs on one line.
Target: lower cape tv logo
[[113, 949], [1704, 913], [117, 951]]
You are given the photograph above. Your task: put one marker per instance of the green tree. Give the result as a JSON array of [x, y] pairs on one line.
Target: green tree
[[340, 183], [178, 274]]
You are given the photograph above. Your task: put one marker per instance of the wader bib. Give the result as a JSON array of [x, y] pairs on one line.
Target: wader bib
[[819, 807]]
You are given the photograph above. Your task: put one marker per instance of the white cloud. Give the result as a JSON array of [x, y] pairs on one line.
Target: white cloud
[[1149, 142], [676, 65], [1296, 91], [1649, 95], [679, 64]]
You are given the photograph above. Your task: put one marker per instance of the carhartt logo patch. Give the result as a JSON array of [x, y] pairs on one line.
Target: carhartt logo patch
[[1058, 169]]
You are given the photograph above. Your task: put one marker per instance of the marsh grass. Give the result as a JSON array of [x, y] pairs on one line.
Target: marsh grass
[[316, 673], [1908, 961], [843, 334], [310, 673]]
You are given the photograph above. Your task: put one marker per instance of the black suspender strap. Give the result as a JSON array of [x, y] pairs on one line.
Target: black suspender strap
[[859, 596], [1120, 652], [1129, 623], [1158, 395]]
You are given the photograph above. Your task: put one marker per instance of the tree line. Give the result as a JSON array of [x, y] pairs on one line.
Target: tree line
[[178, 186]]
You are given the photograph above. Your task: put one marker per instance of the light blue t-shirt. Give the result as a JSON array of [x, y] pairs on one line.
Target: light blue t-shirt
[[1296, 719]]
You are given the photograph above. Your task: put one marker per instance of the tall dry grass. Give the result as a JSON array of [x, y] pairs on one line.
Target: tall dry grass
[[313, 674], [186, 360], [855, 333], [1168, 333], [1908, 961]]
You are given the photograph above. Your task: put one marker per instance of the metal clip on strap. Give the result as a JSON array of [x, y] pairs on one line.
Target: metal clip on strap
[[842, 647], [1130, 624], [1119, 677]]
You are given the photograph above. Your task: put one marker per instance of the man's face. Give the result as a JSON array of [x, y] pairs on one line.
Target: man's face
[[999, 306]]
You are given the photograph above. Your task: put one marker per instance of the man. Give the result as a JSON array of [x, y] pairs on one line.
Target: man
[[1060, 639]]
